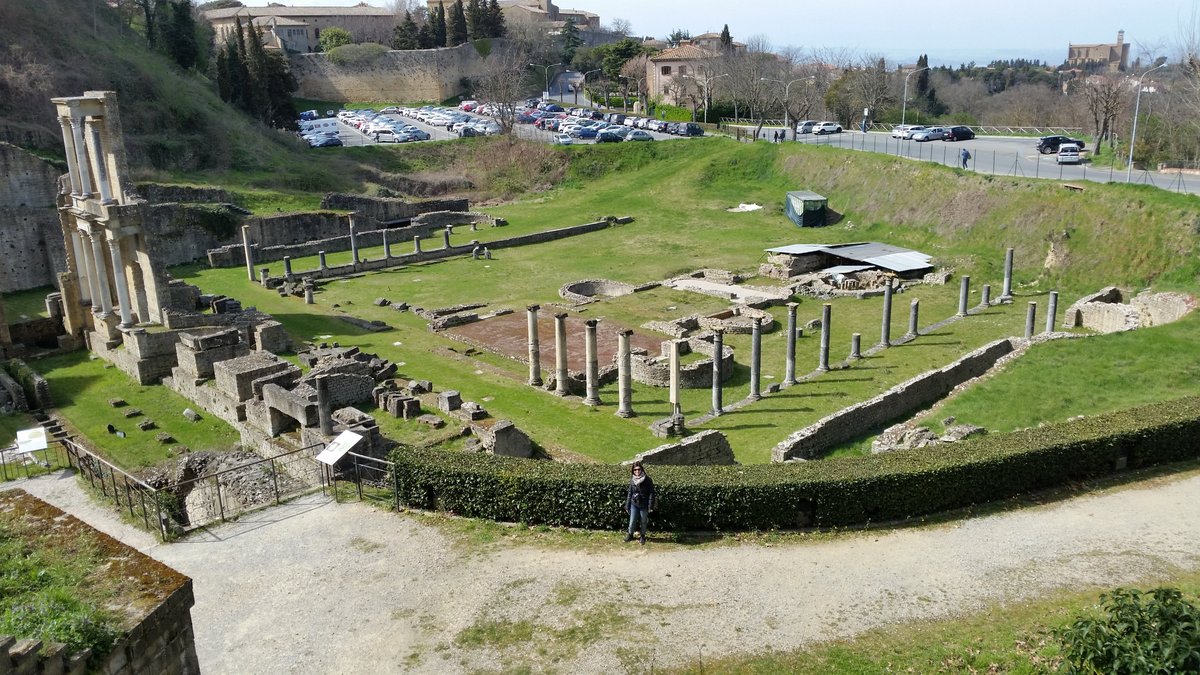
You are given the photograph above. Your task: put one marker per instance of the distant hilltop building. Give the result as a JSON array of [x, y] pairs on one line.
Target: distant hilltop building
[[1113, 56], [536, 12], [298, 29]]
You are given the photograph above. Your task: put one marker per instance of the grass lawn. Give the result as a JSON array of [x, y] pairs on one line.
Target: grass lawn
[[81, 387], [25, 305]]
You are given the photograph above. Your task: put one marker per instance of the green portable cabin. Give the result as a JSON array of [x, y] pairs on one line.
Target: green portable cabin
[[805, 208]]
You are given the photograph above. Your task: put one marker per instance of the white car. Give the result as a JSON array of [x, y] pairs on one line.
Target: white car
[[929, 134], [827, 128], [563, 139], [1068, 153], [902, 130]]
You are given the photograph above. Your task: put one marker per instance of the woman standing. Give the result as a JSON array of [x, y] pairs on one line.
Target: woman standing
[[639, 501]]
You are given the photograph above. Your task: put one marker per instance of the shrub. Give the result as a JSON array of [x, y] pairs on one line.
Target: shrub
[[828, 493], [356, 55], [1136, 632]]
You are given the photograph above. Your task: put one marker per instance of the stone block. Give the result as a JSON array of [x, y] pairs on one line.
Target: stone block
[[147, 425], [164, 437], [117, 402], [432, 420], [133, 412], [381, 302], [191, 415], [449, 401]]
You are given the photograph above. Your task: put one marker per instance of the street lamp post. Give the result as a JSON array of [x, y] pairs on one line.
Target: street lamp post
[[583, 82], [1136, 106], [545, 74], [904, 101], [787, 86], [706, 83]]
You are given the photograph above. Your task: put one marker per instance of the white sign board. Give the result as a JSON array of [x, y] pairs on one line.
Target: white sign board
[[31, 440], [338, 447]]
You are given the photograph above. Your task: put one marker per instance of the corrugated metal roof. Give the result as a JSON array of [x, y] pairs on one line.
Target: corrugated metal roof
[[798, 249], [846, 269], [894, 258]]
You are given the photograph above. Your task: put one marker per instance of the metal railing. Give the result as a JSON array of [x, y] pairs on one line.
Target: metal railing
[[369, 479], [980, 129], [14, 465], [129, 493]]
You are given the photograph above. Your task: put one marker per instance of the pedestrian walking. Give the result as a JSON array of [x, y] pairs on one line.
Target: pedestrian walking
[[966, 155], [639, 501]]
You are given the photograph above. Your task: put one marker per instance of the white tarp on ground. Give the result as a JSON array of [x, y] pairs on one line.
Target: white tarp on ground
[[742, 208]]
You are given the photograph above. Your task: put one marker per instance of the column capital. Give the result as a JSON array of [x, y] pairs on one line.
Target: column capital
[[625, 333], [793, 305], [560, 315], [533, 308], [591, 323]]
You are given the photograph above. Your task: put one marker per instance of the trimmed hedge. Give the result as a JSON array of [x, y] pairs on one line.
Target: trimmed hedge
[[826, 493]]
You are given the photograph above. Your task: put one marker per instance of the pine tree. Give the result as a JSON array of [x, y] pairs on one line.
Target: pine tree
[[425, 37], [570, 41], [405, 35], [923, 77], [726, 39], [437, 26], [476, 20], [256, 63], [224, 90], [496, 19], [456, 28]]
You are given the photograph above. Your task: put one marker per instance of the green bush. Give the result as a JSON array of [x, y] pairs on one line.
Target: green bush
[[1136, 632], [828, 493], [356, 54], [216, 220]]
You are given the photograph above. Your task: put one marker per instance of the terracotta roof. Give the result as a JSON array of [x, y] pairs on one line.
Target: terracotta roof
[[230, 12], [683, 53]]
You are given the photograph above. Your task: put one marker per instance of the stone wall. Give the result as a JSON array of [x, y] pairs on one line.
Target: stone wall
[[654, 370], [384, 211], [156, 193], [38, 332], [30, 232], [899, 401], [396, 76], [705, 448], [503, 438]]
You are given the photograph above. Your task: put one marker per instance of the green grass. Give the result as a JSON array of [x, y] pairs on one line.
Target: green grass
[[26, 305], [81, 387]]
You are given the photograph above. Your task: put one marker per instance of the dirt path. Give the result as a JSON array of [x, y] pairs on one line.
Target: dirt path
[[317, 587]]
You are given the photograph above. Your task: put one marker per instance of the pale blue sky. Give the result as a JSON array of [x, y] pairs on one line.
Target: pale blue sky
[[950, 31]]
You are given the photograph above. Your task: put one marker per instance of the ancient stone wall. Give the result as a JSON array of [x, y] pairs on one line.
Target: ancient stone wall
[[30, 232], [504, 438], [378, 212], [705, 448], [899, 401], [407, 76], [654, 369], [38, 332], [156, 193]]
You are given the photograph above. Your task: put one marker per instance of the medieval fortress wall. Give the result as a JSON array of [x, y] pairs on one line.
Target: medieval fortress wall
[[31, 243]]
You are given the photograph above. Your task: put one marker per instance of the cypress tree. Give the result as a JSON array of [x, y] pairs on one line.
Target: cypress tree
[[405, 35], [496, 19], [437, 26], [223, 84], [726, 39], [456, 29], [260, 103], [476, 20]]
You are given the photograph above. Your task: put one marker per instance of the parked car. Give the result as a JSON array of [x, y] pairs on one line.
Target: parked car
[[827, 128], [929, 134], [327, 142], [584, 132], [308, 115], [1048, 145], [805, 126], [901, 131], [609, 136], [563, 139], [638, 135], [1068, 153], [656, 125], [958, 133]]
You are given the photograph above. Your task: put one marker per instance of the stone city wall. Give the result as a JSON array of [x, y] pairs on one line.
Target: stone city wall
[[380, 211], [407, 76], [30, 230], [156, 193], [442, 219], [705, 448], [899, 401]]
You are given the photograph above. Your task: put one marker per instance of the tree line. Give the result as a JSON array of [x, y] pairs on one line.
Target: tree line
[[474, 21]]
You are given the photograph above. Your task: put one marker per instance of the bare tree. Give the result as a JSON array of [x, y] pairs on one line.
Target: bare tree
[[871, 84], [503, 82], [748, 75], [619, 26], [633, 74], [1105, 97]]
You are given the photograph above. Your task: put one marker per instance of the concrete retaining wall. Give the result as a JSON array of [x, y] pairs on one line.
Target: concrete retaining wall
[[899, 401]]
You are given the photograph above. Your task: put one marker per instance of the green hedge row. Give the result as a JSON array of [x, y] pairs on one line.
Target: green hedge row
[[826, 493]]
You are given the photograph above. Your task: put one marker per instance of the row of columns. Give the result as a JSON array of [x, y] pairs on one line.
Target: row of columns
[[88, 248]]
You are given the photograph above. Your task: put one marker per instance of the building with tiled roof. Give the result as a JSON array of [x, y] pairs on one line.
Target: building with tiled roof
[[543, 12], [1114, 56], [298, 29], [672, 72]]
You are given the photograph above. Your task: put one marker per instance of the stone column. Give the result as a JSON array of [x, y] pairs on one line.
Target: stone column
[[1051, 311], [69, 146], [93, 278], [914, 311], [263, 275], [308, 296], [248, 251], [287, 266], [353, 240], [1008, 265], [718, 356], [535, 352], [85, 174], [560, 354], [387, 245], [856, 346], [114, 248], [964, 291], [1030, 318], [789, 375], [416, 243], [885, 338], [624, 375], [673, 364], [985, 299], [592, 369], [81, 267], [446, 238], [755, 359], [324, 413], [100, 168], [321, 257], [826, 316], [101, 272]]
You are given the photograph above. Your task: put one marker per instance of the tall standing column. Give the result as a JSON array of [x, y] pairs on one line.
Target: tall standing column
[[114, 248], [673, 365], [535, 352], [914, 311], [885, 333], [718, 357], [755, 359], [624, 375], [387, 245], [592, 370], [101, 272], [97, 155], [1008, 267], [826, 318], [964, 291], [1051, 311], [353, 240], [85, 174], [249, 252], [789, 375], [69, 145], [82, 267], [1030, 318], [560, 354], [324, 414]]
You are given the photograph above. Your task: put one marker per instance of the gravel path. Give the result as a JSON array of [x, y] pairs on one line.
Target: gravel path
[[318, 587]]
